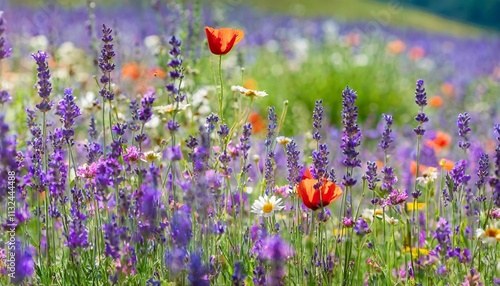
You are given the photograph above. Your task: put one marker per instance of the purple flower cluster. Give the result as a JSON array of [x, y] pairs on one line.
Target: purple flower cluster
[[68, 111], [146, 112], [463, 130], [389, 179], [371, 175], [361, 227], [78, 232], [176, 73], [351, 136], [443, 234], [292, 164], [244, 146], [483, 170], [386, 135], [4, 52], [43, 84], [420, 100], [269, 167], [277, 251], [317, 118], [106, 63]]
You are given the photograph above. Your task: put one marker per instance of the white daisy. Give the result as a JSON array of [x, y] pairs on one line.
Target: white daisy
[[283, 140], [248, 92], [266, 206], [429, 176]]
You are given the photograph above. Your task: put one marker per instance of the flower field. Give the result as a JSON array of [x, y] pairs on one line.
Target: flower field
[[198, 143]]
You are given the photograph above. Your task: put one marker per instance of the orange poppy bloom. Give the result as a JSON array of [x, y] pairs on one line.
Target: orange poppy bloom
[[222, 40], [250, 83], [413, 168], [311, 196], [442, 140], [396, 47], [131, 70], [446, 164], [448, 89], [436, 101], [258, 124], [416, 53], [157, 72]]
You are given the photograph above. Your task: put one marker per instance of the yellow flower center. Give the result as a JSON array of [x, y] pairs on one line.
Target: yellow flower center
[[267, 208], [493, 232]]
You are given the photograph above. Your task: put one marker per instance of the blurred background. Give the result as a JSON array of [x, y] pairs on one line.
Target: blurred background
[[298, 51]]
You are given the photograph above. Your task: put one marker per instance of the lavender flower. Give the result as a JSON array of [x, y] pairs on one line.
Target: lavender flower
[[317, 118], [420, 100], [371, 175], [112, 238], [483, 171], [106, 63], [277, 251], [386, 135], [58, 170], [180, 227], [269, 162], [389, 179], [197, 271], [320, 163], [68, 111], [4, 97], [25, 265], [174, 260], [4, 52], [43, 84], [443, 234], [244, 146], [176, 72], [361, 227], [420, 94], [146, 112], [351, 137], [238, 277], [463, 130], [78, 233], [292, 164]]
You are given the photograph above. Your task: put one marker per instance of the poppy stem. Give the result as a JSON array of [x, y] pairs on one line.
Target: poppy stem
[[221, 93]]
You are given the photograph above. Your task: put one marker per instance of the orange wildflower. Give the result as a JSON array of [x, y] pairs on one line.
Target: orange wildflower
[[446, 164], [258, 124], [221, 41], [413, 168], [250, 83], [353, 39], [416, 53], [311, 196], [448, 89], [158, 72], [435, 101], [442, 140], [396, 47], [131, 70]]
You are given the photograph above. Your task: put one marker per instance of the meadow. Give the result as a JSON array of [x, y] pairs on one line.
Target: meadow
[[189, 143]]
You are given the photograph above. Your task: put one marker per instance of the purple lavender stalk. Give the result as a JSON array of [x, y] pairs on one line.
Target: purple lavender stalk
[[43, 84], [4, 52], [68, 111], [420, 100], [351, 136], [463, 130]]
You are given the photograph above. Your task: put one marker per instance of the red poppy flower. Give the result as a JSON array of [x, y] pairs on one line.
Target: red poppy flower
[[311, 196], [222, 40]]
